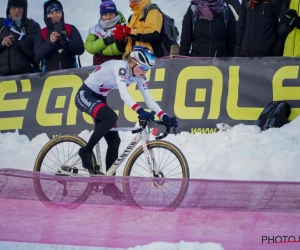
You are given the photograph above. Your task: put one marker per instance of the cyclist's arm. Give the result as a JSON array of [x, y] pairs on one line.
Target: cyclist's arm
[[120, 74], [151, 104]]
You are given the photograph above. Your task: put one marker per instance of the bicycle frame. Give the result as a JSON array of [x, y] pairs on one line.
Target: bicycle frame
[[142, 136]]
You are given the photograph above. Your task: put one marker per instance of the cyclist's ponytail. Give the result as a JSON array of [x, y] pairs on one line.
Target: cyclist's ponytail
[[126, 57]]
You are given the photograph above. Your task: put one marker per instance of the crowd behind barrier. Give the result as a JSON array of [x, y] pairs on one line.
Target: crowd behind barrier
[[210, 28]]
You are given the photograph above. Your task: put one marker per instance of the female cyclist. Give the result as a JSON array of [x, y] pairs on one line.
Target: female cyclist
[[91, 99]]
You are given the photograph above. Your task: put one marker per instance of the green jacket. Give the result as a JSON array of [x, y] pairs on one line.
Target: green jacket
[[292, 42], [94, 45]]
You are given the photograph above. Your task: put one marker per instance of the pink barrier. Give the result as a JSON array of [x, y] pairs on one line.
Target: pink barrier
[[125, 212]]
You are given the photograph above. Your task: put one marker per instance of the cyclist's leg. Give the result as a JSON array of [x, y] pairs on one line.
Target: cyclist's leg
[[108, 118], [87, 102], [113, 142]]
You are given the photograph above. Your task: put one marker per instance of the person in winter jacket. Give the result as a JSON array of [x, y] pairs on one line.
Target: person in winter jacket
[[288, 43], [17, 34], [142, 32], [58, 43], [236, 4], [100, 42], [208, 30], [257, 28]]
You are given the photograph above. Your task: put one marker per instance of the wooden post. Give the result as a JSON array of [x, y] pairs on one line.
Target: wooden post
[[174, 51]]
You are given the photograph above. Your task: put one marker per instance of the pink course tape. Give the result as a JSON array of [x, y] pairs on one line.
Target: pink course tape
[[123, 212]]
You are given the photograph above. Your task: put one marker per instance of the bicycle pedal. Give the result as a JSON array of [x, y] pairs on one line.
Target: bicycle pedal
[[100, 173], [97, 170]]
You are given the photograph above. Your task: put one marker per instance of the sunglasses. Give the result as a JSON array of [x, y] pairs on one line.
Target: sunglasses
[[144, 68]]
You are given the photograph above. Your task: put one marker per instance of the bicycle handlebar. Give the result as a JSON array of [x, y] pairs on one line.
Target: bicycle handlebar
[[140, 129], [167, 125]]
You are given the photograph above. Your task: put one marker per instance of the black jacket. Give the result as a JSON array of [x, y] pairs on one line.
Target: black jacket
[[18, 58], [283, 29], [208, 38], [235, 4], [56, 56], [257, 29]]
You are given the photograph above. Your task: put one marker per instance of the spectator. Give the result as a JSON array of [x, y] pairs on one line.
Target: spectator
[[139, 32], [208, 30], [236, 4], [100, 41], [17, 34], [288, 43], [257, 28], [58, 43]]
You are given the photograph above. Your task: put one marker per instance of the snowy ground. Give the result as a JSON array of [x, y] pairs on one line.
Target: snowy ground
[[153, 246], [242, 153]]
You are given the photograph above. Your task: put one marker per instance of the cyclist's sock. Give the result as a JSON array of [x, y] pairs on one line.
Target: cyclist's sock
[[113, 142], [86, 159]]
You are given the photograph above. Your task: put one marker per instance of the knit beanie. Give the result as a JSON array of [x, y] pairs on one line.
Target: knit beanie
[[108, 7], [53, 7], [16, 3]]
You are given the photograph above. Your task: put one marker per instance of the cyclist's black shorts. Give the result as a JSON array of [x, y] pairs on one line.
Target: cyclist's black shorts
[[88, 101]]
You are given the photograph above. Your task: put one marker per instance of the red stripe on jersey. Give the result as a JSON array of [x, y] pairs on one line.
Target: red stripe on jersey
[[96, 109], [160, 114], [135, 106], [101, 90]]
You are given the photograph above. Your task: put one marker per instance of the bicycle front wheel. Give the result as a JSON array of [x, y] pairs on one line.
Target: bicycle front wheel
[[168, 185], [59, 157], [169, 160]]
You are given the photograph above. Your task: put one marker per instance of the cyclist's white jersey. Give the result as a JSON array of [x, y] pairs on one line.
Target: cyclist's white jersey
[[115, 74]]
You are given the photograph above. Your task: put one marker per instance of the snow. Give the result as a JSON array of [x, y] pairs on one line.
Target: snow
[[153, 246], [242, 153]]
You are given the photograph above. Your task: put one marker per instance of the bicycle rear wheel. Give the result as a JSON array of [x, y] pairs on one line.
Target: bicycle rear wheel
[[57, 155], [166, 190]]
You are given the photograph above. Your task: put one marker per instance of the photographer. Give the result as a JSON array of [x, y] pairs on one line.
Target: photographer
[[17, 35], [58, 43]]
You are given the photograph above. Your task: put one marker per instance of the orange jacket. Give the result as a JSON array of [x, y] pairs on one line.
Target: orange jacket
[[146, 32]]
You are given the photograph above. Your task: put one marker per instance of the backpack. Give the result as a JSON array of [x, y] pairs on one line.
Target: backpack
[[169, 34], [274, 114], [226, 15], [68, 29]]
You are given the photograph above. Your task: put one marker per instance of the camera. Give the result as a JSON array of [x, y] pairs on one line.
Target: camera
[[58, 27]]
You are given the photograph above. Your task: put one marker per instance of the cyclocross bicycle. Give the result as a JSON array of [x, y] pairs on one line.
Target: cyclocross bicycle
[[157, 159]]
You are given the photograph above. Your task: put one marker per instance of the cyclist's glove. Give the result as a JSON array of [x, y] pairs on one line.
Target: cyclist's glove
[[168, 119], [145, 115], [291, 18]]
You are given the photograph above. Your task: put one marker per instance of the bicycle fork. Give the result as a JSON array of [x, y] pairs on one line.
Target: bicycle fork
[[149, 156]]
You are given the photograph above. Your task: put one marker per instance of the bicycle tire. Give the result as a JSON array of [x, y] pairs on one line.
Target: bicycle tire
[[132, 197], [39, 183]]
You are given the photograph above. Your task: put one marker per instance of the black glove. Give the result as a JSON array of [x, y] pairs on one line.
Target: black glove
[[145, 115], [291, 18], [120, 45], [108, 40], [168, 119]]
